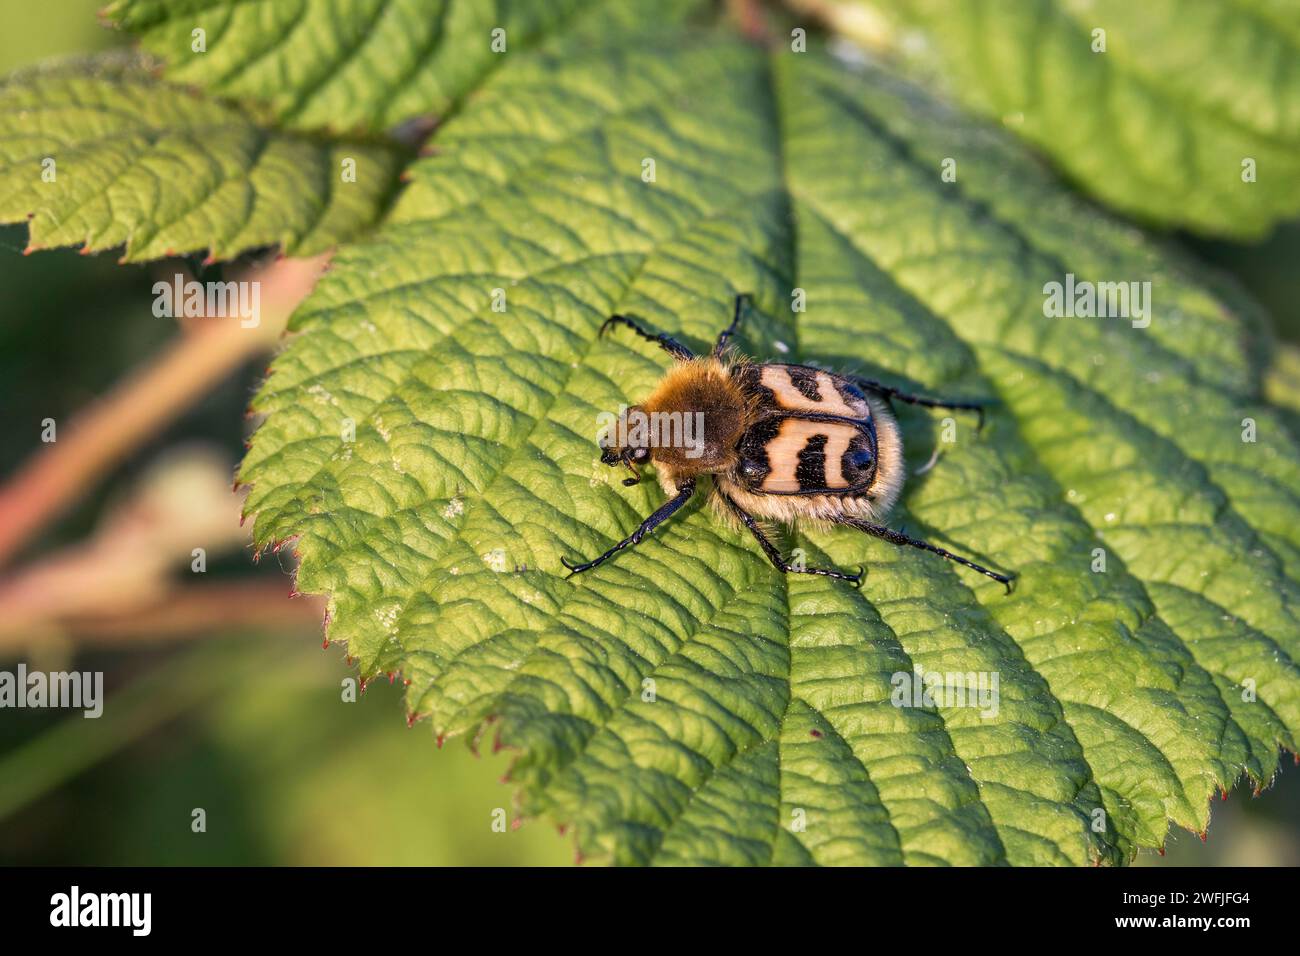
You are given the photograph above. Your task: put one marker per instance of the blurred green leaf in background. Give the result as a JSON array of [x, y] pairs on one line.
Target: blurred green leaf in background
[[1178, 113]]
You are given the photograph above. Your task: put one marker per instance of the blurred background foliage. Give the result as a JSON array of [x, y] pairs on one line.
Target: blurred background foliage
[[231, 705]]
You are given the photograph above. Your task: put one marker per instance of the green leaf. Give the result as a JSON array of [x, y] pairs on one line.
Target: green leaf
[[101, 153], [1158, 124], [1128, 695], [366, 64], [1282, 383]]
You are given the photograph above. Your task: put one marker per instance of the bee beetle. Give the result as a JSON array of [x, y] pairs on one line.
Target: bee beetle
[[784, 443]]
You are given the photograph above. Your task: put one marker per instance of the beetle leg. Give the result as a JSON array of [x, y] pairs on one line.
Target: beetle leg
[[890, 392], [741, 300], [665, 342], [665, 511], [774, 555], [898, 538]]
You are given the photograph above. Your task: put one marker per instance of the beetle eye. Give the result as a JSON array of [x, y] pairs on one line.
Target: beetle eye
[[641, 454]]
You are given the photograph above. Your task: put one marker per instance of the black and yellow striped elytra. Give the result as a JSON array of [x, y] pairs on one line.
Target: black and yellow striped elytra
[[812, 433], [786, 443]]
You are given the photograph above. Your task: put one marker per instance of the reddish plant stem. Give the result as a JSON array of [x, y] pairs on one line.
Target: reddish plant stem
[[104, 433]]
